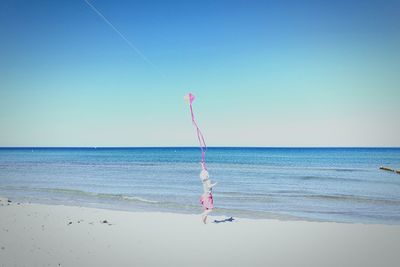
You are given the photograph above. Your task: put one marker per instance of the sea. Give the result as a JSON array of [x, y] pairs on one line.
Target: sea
[[343, 185]]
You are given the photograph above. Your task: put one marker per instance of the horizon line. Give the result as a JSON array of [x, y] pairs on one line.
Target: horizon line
[[116, 147]]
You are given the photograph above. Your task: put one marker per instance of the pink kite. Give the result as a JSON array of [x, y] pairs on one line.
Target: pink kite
[[190, 98]]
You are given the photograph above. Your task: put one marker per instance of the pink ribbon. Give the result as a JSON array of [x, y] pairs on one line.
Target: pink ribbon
[[200, 136]]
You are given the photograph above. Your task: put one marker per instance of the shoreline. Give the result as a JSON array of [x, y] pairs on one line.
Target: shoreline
[[56, 235], [218, 212]]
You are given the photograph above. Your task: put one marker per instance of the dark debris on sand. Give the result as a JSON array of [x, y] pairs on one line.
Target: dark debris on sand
[[230, 219], [106, 222]]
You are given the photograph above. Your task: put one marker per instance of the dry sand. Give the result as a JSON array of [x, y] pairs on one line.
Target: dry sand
[[54, 235]]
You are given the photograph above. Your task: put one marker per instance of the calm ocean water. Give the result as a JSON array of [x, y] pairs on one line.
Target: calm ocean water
[[321, 184]]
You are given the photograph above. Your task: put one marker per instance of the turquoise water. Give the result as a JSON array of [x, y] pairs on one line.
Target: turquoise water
[[321, 184]]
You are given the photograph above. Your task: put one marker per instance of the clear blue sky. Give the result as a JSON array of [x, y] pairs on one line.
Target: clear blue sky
[[265, 73]]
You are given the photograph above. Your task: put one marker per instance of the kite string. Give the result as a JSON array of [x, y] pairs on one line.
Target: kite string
[[123, 37], [200, 137]]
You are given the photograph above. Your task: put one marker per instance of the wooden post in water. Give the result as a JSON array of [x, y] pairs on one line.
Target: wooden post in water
[[386, 169], [389, 169]]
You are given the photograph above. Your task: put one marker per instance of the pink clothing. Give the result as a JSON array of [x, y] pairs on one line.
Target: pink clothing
[[207, 201]]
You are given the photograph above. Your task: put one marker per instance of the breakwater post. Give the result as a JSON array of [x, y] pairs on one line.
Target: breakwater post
[[389, 169]]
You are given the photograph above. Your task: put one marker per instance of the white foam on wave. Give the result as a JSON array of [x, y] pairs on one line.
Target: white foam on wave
[[139, 199]]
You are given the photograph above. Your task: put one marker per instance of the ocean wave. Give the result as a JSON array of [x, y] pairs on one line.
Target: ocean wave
[[328, 178], [343, 180], [354, 198], [239, 194], [333, 169], [104, 195], [139, 199], [282, 195], [78, 192]]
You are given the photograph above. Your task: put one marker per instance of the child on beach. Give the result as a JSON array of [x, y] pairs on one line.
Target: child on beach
[[206, 200]]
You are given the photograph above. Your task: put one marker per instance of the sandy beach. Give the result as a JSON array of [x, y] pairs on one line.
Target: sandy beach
[[54, 235]]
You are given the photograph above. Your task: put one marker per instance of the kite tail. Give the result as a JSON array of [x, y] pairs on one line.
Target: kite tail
[[200, 137]]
